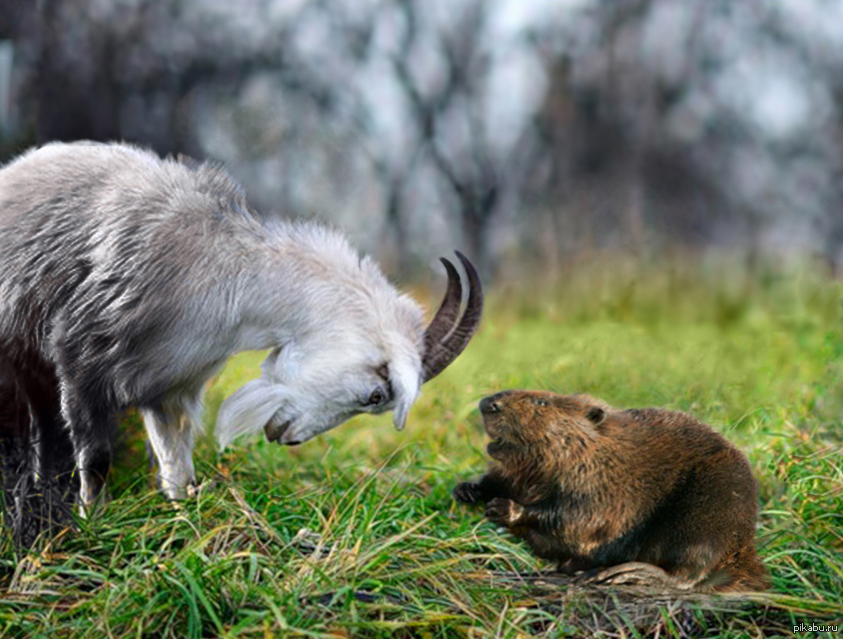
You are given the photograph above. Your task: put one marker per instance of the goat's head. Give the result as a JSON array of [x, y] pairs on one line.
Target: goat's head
[[369, 364]]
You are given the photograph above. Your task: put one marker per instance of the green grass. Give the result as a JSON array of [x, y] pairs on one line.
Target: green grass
[[389, 554]]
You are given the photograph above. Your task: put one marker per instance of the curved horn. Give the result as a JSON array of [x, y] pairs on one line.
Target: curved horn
[[448, 312], [444, 348]]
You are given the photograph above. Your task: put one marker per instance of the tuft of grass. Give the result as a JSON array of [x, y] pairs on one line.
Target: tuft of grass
[[355, 533]]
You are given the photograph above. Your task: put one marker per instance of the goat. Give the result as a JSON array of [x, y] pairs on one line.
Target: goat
[[128, 281]]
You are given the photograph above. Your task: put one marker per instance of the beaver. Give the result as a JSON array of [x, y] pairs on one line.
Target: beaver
[[642, 496]]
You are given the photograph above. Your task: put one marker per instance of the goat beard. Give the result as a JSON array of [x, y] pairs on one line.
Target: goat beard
[[249, 410]]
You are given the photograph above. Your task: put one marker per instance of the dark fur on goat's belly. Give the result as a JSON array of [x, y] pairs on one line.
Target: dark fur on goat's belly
[[643, 496], [32, 438]]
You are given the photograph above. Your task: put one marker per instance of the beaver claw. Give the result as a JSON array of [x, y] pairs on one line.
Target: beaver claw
[[504, 511], [467, 492]]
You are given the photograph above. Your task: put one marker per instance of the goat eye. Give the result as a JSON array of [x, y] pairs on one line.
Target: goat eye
[[376, 398]]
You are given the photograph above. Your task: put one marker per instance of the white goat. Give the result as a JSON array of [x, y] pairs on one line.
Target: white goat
[[128, 281]]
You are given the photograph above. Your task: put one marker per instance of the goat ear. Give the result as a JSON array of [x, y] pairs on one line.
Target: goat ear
[[406, 380], [596, 415]]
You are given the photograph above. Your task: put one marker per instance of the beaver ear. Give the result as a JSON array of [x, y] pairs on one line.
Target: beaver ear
[[596, 415]]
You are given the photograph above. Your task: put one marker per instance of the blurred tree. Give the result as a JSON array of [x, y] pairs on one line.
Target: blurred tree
[[450, 118], [425, 125], [110, 70], [77, 91], [615, 167], [703, 122]]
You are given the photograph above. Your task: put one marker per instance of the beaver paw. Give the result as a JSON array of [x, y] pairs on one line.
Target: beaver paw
[[504, 511], [467, 492]]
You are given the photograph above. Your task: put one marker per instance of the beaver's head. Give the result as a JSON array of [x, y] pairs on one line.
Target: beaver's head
[[542, 424]]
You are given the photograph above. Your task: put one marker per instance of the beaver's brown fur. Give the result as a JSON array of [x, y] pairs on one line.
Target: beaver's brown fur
[[633, 496]]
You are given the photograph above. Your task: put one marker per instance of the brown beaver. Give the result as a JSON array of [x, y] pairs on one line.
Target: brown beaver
[[645, 496]]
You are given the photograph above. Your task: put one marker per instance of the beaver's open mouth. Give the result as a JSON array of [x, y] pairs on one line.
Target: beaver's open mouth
[[492, 429], [496, 446]]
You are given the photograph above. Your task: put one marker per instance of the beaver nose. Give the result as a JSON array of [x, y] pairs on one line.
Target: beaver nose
[[490, 404]]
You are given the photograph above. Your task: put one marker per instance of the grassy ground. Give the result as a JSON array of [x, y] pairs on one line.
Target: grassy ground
[[355, 533]]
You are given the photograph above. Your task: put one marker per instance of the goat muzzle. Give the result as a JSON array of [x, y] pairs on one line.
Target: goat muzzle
[[448, 334], [275, 429]]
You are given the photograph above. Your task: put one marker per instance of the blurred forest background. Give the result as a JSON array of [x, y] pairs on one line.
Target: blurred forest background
[[529, 132]]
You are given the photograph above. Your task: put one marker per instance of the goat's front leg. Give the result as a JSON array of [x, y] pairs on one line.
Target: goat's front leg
[[91, 431], [171, 437]]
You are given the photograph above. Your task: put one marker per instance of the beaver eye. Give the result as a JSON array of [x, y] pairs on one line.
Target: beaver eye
[[376, 398], [541, 402]]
